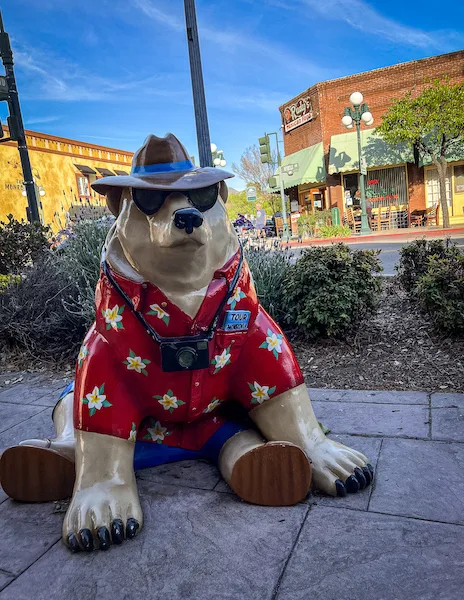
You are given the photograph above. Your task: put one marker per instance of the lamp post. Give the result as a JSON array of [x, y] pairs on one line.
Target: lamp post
[[359, 111], [217, 156]]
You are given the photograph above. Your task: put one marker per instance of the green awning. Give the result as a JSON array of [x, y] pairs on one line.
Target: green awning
[[304, 166], [343, 156]]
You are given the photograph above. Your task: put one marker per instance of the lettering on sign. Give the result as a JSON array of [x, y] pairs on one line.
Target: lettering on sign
[[298, 113], [14, 186]]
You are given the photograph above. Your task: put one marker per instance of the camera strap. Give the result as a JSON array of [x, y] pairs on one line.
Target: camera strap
[[149, 329]]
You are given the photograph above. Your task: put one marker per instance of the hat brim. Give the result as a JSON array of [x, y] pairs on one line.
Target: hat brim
[[180, 180]]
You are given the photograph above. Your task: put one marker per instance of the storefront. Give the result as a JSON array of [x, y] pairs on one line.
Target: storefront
[[454, 190], [304, 179], [386, 180]]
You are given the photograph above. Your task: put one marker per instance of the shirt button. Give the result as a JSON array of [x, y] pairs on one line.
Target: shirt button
[[164, 304], [144, 285], [197, 383], [193, 409]]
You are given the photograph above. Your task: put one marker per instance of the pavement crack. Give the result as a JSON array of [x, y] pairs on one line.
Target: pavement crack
[[282, 573]]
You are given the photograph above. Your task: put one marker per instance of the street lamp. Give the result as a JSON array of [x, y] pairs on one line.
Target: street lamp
[[359, 111], [218, 156]]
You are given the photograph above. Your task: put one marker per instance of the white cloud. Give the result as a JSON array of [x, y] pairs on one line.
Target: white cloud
[[67, 82], [232, 40], [362, 16], [40, 120]]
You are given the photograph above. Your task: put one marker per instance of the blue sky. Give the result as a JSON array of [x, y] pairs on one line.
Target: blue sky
[[111, 71]]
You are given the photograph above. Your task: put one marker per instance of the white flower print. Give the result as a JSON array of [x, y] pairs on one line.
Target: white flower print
[[159, 312], [113, 317], [157, 432], [260, 393], [133, 434], [273, 343], [96, 399], [83, 352], [221, 360], [136, 363], [212, 405], [236, 297], [169, 402]]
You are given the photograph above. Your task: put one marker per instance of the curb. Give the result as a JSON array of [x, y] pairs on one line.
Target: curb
[[378, 237]]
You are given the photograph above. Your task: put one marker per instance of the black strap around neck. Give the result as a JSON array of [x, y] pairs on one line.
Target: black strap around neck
[[149, 329]]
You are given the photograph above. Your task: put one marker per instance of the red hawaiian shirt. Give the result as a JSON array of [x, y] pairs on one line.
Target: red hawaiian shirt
[[121, 389]]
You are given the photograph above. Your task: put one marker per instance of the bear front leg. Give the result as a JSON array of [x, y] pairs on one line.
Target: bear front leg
[[105, 506], [336, 468]]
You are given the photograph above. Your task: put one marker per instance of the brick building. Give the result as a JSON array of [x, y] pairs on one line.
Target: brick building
[[321, 158]]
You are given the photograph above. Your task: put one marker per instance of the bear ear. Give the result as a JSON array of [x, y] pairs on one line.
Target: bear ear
[[223, 191], [113, 200]]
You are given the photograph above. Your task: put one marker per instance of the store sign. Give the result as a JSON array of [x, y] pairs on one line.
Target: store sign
[[251, 193], [298, 113]]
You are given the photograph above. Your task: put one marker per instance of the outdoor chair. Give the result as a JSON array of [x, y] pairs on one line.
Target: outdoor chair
[[431, 215], [384, 217], [375, 219], [353, 223]]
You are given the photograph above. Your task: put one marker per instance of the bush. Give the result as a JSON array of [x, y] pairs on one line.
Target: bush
[[329, 231], [414, 259], [79, 259], [21, 244], [441, 292], [269, 268], [330, 290], [32, 316], [308, 225], [47, 313], [7, 280]]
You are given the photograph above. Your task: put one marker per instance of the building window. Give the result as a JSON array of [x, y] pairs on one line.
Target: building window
[[83, 186], [433, 189], [459, 179]]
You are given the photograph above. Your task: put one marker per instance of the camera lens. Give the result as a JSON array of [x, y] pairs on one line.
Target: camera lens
[[186, 357]]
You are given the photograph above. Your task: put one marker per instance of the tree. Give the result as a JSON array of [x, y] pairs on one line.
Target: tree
[[252, 170], [433, 121], [238, 203]]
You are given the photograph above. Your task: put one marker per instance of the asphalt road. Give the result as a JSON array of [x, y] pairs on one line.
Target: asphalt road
[[389, 254]]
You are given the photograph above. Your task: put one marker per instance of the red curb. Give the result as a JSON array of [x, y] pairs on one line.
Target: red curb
[[379, 237]]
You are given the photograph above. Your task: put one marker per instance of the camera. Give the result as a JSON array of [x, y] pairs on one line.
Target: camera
[[184, 354]]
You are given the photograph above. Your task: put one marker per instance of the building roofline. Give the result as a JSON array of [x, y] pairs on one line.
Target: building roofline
[[55, 138], [396, 66]]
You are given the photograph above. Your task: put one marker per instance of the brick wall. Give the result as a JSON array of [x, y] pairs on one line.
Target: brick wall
[[379, 88]]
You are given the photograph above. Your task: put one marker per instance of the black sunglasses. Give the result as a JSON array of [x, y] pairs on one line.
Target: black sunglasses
[[150, 201]]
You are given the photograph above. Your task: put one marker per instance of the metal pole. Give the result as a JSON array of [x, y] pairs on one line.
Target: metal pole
[[199, 101], [15, 113], [365, 229], [285, 233]]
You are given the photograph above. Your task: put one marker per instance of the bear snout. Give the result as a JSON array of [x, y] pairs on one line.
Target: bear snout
[[188, 219]]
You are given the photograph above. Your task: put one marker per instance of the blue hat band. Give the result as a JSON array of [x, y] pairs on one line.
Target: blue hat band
[[181, 165]]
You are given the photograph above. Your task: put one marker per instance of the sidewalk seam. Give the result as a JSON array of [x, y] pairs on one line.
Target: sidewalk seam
[[29, 566], [24, 420], [374, 483], [282, 573], [376, 512]]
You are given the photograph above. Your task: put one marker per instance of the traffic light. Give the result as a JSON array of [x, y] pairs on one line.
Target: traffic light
[[265, 149]]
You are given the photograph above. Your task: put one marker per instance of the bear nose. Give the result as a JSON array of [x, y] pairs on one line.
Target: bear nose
[[188, 218]]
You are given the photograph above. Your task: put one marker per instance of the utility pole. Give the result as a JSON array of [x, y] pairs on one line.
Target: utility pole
[[198, 89], [15, 123]]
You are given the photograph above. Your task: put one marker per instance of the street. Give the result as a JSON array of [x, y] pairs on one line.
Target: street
[[389, 250]]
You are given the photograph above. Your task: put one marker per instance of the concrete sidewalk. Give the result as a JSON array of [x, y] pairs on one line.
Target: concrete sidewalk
[[403, 538]]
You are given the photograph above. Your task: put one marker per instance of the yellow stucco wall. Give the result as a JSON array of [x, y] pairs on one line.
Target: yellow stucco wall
[[53, 161]]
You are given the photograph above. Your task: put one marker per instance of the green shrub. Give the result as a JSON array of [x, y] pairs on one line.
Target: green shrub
[[20, 244], [48, 312], [441, 292], [269, 268], [7, 280], [80, 261], [309, 225], [32, 317], [329, 291], [414, 259], [329, 231]]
